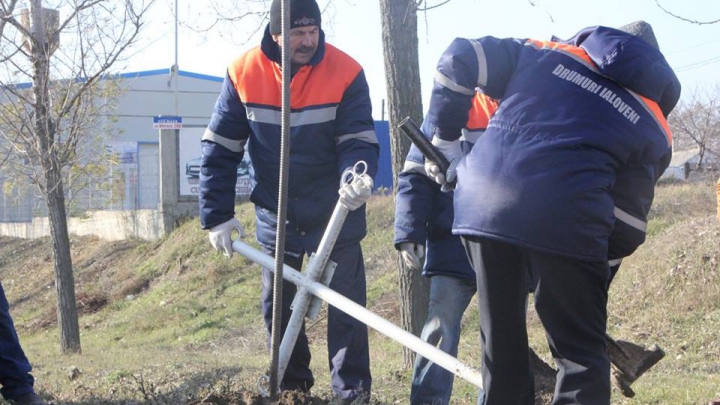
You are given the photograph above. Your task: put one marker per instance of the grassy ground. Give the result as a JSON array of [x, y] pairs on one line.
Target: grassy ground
[[170, 321]]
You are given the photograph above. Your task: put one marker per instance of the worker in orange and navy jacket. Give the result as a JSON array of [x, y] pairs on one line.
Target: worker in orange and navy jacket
[[423, 235], [331, 129], [561, 181]]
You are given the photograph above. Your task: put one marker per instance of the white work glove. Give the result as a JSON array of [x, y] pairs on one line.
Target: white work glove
[[413, 254], [356, 192], [453, 153], [221, 236]]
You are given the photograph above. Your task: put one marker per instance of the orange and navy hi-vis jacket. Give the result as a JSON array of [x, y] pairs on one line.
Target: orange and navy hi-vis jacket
[[331, 129], [569, 162], [424, 214]]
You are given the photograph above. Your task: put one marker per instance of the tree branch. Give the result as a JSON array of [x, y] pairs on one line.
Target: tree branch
[[6, 10], [685, 19], [427, 8]]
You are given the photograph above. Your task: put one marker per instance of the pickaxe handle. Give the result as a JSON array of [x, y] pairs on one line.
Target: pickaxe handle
[[416, 136]]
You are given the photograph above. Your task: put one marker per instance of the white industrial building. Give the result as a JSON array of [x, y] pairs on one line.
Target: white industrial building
[[151, 94], [134, 139], [137, 203]]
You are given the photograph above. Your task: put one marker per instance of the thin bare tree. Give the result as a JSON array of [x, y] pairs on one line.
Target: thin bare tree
[[695, 122], [52, 84]]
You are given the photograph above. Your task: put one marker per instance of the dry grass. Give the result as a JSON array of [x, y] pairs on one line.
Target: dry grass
[[171, 321]]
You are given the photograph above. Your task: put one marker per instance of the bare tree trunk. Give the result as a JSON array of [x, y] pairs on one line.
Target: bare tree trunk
[[701, 155], [53, 188], [64, 280], [400, 48]]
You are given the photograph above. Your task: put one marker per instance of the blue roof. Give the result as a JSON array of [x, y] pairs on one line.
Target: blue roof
[[167, 71], [143, 73], [19, 85]]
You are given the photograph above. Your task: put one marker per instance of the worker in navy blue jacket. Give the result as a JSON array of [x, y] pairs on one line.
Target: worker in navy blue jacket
[[570, 158], [15, 378], [331, 130], [423, 223]]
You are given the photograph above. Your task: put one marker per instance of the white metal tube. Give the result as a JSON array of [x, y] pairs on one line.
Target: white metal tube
[[364, 315], [327, 243], [302, 296]]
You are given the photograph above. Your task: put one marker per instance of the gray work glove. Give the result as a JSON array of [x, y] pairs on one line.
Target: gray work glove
[[356, 192], [413, 255], [453, 153], [221, 235]]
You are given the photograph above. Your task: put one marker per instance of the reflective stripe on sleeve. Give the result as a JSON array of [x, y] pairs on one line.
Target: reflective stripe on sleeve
[[367, 136], [413, 167], [471, 135], [630, 220], [482, 62], [446, 82], [232, 144]]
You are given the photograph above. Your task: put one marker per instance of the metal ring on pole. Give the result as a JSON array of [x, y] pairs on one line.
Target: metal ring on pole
[[282, 201]]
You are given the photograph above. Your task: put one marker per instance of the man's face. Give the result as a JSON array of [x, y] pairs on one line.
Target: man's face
[[303, 43]]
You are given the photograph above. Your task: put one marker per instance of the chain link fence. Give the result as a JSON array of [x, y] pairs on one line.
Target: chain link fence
[[130, 182]]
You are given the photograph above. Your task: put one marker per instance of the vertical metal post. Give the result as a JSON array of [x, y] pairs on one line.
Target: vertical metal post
[[282, 201], [176, 69]]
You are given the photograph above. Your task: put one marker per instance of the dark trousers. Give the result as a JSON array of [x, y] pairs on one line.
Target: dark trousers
[[15, 368], [570, 299], [348, 354]]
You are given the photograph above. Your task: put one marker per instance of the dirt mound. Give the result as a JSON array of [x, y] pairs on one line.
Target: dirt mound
[[543, 373], [103, 271]]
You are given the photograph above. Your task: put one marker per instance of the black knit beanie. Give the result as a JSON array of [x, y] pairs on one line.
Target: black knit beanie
[[303, 13]]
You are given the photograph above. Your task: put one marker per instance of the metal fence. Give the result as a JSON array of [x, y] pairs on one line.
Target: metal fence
[[130, 183]]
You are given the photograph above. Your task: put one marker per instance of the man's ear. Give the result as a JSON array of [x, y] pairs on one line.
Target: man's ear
[[276, 38]]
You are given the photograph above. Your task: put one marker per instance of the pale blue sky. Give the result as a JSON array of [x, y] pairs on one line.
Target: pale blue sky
[[354, 26]]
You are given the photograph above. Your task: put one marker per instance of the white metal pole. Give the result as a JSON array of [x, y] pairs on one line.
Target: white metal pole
[[364, 315], [314, 271]]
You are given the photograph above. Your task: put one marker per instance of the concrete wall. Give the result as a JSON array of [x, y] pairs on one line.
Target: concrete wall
[[108, 225], [147, 94], [172, 206], [148, 224]]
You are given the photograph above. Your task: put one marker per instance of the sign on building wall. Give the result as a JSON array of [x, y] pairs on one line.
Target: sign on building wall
[[189, 169], [167, 122]]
